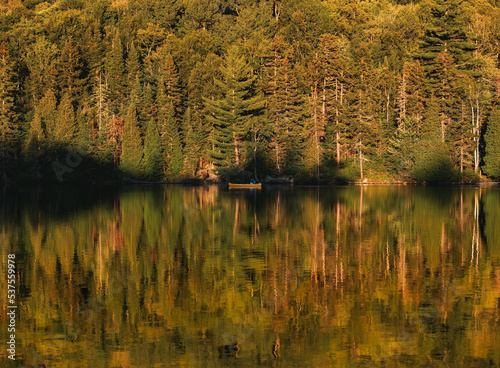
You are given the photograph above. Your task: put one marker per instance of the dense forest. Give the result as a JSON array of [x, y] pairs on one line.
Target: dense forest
[[322, 91]]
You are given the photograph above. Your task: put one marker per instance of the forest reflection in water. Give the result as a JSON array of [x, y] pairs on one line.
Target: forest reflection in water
[[160, 276]]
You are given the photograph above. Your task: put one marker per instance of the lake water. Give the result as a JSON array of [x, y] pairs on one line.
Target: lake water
[[168, 276]]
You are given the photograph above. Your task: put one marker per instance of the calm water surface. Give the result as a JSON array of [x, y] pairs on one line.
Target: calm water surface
[[168, 276]]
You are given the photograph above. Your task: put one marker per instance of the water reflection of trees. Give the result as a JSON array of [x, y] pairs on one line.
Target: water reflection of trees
[[319, 276]]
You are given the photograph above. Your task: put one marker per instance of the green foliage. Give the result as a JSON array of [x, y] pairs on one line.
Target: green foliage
[[492, 140], [470, 176], [65, 124], [152, 152], [36, 137], [132, 151], [261, 86], [47, 109], [230, 115], [433, 163], [194, 141], [115, 68], [349, 171], [403, 146], [40, 61], [7, 105], [446, 33], [171, 141], [70, 71], [283, 101]]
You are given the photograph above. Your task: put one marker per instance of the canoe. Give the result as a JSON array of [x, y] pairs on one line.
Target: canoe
[[242, 186]]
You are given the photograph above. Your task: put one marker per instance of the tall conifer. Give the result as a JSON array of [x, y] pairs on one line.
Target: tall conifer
[[152, 151], [115, 67], [282, 100], [492, 140], [8, 133], [231, 114], [65, 126], [132, 151]]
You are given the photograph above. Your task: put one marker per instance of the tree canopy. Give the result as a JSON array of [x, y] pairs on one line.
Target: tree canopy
[[321, 90]]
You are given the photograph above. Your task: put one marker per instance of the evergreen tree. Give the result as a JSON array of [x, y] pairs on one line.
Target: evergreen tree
[[432, 161], [133, 67], [35, 139], [149, 107], [389, 78], [132, 151], [410, 95], [315, 123], [47, 109], [334, 70], [137, 98], [40, 61], [65, 126], [200, 85], [230, 115], [170, 142], [168, 100], [282, 100], [325, 103], [169, 85], [443, 82], [152, 151], [115, 67], [8, 130], [446, 33], [492, 140], [70, 71], [194, 137], [363, 128]]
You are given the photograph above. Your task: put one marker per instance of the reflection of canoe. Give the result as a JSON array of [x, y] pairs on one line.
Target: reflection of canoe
[[254, 186]]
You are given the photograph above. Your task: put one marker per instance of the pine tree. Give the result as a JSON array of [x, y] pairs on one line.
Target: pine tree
[[168, 100], [148, 106], [410, 98], [136, 97], [7, 107], [35, 139], [282, 100], [200, 85], [132, 151], [65, 126], [316, 121], [446, 32], [47, 109], [115, 67], [443, 83], [194, 137], [492, 140], [152, 151], [170, 141], [230, 115], [325, 103], [40, 61], [133, 66], [432, 161], [169, 86], [70, 71], [333, 84], [363, 128]]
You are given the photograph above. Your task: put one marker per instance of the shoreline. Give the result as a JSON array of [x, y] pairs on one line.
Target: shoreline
[[197, 183]]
